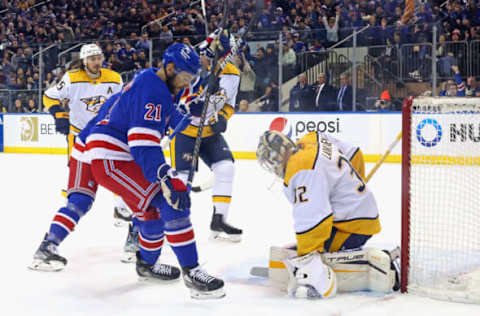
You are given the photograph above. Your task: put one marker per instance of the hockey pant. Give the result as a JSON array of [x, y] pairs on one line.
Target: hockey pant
[[157, 219]]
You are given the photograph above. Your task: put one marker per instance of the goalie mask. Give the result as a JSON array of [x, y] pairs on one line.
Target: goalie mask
[[273, 152]]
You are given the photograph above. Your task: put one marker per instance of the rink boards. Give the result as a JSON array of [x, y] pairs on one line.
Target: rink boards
[[373, 132]]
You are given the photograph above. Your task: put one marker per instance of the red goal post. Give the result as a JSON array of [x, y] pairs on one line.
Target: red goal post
[[441, 198]]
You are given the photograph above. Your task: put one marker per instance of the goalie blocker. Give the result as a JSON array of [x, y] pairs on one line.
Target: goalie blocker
[[321, 275]]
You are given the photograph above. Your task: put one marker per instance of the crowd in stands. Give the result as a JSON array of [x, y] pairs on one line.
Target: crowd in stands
[[126, 33]]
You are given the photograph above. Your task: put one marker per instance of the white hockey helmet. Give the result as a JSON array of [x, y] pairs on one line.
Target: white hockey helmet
[[88, 50], [273, 152]]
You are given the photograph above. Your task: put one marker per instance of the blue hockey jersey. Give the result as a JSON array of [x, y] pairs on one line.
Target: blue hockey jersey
[[134, 125]]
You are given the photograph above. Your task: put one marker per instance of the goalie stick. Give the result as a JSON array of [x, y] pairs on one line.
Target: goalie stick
[[211, 88]]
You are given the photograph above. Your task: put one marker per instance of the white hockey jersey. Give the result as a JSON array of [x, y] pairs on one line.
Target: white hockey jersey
[[84, 95], [326, 192], [347, 149], [229, 83]]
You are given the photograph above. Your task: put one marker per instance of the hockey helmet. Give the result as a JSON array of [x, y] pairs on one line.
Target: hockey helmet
[[88, 50], [273, 151], [184, 58]]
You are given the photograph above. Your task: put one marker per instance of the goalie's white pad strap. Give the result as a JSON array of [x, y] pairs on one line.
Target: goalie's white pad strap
[[365, 269]]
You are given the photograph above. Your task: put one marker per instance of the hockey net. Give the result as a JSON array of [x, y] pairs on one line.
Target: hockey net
[[441, 198]]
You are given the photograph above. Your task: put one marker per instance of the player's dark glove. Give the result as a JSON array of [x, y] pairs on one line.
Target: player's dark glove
[[62, 124], [220, 125], [174, 190]]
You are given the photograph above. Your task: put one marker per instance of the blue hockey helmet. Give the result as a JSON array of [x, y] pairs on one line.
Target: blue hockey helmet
[[184, 57]]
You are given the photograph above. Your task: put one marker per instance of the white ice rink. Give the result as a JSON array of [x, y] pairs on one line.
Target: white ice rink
[[95, 282]]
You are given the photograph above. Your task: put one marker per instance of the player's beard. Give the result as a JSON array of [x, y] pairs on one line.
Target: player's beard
[[170, 85]]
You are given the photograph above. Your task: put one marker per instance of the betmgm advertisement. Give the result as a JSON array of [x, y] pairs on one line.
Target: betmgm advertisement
[[446, 139], [32, 133]]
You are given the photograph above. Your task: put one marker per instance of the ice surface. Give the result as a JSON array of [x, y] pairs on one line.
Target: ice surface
[[95, 282]]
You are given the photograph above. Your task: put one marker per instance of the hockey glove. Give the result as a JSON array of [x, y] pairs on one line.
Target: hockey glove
[[61, 119], [194, 105], [310, 277], [174, 190], [220, 125]]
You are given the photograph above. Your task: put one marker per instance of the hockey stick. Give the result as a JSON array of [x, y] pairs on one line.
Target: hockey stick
[[204, 13], [210, 90], [385, 155], [261, 272], [203, 186], [184, 122]]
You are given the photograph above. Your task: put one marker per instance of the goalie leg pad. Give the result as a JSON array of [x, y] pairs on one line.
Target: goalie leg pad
[[356, 270]]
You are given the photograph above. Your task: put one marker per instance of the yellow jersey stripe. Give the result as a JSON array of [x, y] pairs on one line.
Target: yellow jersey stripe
[[49, 102], [192, 131], [303, 159], [221, 199], [363, 226], [314, 238], [106, 76]]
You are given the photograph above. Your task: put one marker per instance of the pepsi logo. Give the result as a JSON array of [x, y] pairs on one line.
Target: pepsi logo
[[282, 125]]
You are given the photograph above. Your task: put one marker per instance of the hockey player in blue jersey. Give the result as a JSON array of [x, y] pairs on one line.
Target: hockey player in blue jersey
[[126, 158]]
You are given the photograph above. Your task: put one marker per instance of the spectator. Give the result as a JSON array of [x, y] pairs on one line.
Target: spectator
[[332, 28], [301, 96], [270, 103], [247, 78], [344, 95], [261, 66], [472, 86], [384, 103], [143, 44], [324, 94], [454, 88], [17, 107], [32, 107]]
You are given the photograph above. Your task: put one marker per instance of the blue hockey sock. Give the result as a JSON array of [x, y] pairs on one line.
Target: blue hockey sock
[[150, 240], [66, 219], [180, 236]]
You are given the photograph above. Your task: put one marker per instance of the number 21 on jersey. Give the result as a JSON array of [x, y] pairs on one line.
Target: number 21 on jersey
[[154, 112]]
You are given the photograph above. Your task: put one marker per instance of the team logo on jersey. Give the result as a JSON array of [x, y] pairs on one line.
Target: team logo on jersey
[[185, 52], [429, 132], [187, 156], [29, 129], [282, 125], [94, 103]]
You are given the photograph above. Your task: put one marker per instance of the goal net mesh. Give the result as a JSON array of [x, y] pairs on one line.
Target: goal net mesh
[[443, 215]]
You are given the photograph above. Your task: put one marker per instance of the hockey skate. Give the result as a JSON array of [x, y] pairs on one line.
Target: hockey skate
[[122, 216], [46, 258], [158, 272], [201, 284], [130, 247], [223, 231]]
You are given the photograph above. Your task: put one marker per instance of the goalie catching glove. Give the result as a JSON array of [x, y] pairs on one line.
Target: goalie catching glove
[[310, 277], [174, 190], [62, 125]]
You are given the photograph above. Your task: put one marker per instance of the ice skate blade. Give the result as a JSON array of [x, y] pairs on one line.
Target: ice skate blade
[[119, 223], [156, 281], [52, 266], [216, 294], [128, 257], [222, 236]]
